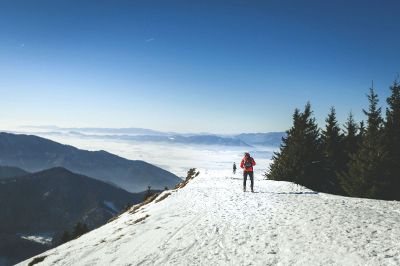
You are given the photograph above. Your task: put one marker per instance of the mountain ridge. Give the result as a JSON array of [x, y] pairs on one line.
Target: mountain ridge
[[33, 153], [53, 201], [11, 172]]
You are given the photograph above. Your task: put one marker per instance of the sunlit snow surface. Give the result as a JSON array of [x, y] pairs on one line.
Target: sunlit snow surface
[[212, 221]]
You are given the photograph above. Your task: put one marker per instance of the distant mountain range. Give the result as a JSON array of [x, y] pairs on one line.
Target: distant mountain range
[[46, 203], [33, 154], [98, 130], [179, 139], [272, 139]]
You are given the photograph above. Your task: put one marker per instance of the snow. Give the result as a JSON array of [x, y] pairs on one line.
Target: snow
[[41, 238], [211, 221]]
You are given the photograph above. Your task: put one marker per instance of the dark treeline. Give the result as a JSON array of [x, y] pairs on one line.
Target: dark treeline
[[359, 160], [78, 230]]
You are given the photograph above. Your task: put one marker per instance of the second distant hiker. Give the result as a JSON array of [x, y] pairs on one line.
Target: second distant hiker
[[247, 164], [234, 168]]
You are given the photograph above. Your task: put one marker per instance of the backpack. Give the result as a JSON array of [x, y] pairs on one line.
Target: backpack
[[248, 163]]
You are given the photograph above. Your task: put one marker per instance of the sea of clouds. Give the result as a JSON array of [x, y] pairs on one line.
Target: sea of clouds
[[176, 158]]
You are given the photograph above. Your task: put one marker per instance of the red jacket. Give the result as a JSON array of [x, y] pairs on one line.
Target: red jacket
[[250, 169]]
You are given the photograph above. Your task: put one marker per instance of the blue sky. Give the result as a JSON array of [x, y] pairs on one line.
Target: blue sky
[[192, 66]]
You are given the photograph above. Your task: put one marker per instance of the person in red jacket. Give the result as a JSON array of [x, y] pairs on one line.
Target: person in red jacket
[[247, 164]]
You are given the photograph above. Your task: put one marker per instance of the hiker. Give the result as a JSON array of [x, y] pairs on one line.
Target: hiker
[[247, 166], [234, 168]]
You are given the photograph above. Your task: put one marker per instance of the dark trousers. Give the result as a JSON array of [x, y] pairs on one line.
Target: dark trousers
[[251, 175]]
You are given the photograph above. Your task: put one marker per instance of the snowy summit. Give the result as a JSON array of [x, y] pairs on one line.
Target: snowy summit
[[211, 221]]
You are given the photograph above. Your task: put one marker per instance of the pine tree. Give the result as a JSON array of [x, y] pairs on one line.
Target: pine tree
[[65, 237], [361, 131], [312, 152], [351, 144], [351, 138], [279, 168], [192, 173], [79, 229], [300, 158], [392, 141], [367, 174], [333, 153]]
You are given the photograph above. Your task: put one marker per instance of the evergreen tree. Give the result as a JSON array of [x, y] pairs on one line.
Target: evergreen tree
[[280, 169], [351, 138], [333, 153], [300, 157], [65, 237], [192, 173], [351, 143], [392, 141], [366, 175], [79, 229], [361, 131]]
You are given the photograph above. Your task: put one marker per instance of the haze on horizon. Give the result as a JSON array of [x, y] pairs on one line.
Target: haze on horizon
[[209, 66]]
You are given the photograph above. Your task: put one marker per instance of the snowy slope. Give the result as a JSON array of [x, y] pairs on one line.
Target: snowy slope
[[212, 222]]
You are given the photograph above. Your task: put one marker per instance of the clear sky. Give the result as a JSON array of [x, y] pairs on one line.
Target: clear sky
[[191, 66]]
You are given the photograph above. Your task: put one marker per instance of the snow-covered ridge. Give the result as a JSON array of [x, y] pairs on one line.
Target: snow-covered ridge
[[211, 221]]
